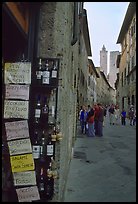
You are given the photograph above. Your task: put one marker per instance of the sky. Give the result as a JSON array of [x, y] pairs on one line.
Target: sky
[[105, 20]]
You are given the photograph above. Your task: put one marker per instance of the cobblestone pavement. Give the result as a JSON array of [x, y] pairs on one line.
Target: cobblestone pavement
[[103, 169]]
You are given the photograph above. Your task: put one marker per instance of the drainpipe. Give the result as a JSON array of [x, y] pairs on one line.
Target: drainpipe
[[75, 24]]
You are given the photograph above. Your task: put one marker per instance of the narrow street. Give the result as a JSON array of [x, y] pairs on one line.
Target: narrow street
[[104, 169]]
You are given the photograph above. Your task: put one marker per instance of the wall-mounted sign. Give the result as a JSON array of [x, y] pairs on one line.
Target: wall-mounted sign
[[17, 130], [16, 109], [28, 194], [17, 92], [17, 73], [20, 146], [24, 178], [22, 163]]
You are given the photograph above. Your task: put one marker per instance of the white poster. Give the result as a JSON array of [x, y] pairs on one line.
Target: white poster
[[17, 130], [17, 92], [16, 109], [28, 194], [24, 178], [20, 146], [17, 73]]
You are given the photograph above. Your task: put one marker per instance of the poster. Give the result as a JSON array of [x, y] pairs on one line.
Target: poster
[[16, 109], [24, 178], [22, 163], [17, 130], [28, 194], [17, 73], [17, 92], [20, 146]]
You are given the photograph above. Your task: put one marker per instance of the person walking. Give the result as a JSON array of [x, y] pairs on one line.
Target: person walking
[[96, 112], [117, 115], [131, 116], [90, 122], [111, 114], [123, 117], [100, 120], [83, 116]]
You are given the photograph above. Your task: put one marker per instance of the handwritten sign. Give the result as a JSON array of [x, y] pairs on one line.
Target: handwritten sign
[[16, 109], [20, 146], [24, 178], [22, 163], [17, 92], [17, 73], [17, 130], [28, 194]]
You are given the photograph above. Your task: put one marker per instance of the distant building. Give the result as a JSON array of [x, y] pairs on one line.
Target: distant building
[[112, 68], [103, 60]]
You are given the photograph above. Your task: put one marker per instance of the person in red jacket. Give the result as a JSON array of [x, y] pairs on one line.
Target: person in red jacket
[[90, 122]]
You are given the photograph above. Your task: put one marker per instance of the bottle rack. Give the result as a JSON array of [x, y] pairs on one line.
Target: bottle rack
[[42, 122]]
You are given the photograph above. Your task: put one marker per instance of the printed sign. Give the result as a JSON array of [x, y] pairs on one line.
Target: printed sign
[[28, 194], [24, 178], [16, 109], [22, 163], [20, 146], [17, 73], [17, 130], [17, 92]]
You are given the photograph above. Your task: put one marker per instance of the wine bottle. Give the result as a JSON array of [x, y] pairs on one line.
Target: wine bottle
[[50, 147], [51, 114], [39, 72], [54, 74], [36, 146], [44, 115], [38, 109], [46, 74], [43, 148], [49, 188], [41, 184]]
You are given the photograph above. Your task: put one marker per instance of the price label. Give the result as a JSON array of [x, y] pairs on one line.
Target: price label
[[22, 163], [17, 73], [17, 129], [16, 109]]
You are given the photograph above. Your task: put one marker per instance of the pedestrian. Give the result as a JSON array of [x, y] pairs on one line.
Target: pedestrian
[[90, 122], [100, 120], [96, 112], [83, 116], [105, 113], [117, 115], [123, 117], [111, 114], [131, 116]]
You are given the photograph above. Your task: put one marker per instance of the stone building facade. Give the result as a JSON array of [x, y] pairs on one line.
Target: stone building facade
[[127, 59], [112, 68], [59, 30], [105, 92]]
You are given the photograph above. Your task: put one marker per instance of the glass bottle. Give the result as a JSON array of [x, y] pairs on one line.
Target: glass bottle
[[50, 147], [38, 109], [39, 72], [43, 148], [41, 184], [44, 115], [46, 74], [54, 74], [36, 147]]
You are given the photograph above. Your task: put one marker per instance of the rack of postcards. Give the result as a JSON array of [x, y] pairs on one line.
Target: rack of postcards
[[30, 129]]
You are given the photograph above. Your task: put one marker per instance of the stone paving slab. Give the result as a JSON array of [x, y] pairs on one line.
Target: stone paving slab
[[104, 169]]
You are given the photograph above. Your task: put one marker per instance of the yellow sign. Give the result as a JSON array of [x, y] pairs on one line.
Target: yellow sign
[[22, 163]]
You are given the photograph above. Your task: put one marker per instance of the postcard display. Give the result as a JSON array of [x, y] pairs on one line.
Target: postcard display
[[30, 101]]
